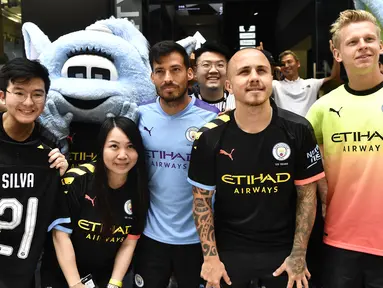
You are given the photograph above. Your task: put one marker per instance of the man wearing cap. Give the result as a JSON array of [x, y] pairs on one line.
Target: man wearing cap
[[294, 93]]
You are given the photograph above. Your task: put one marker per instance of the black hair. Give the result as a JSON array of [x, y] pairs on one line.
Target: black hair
[[137, 176], [165, 48], [212, 47], [22, 70]]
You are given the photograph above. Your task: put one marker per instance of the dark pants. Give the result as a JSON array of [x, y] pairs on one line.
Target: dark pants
[[254, 269], [156, 262], [351, 269]]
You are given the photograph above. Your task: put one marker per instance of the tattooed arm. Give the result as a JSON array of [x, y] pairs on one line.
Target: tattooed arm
[[295, 264], [212, 269], [322, 187]]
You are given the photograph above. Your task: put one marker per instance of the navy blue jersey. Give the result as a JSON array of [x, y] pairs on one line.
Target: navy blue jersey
[[27, 194]]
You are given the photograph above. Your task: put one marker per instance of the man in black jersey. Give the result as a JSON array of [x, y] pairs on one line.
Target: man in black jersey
[[263, 162], [28, 185]]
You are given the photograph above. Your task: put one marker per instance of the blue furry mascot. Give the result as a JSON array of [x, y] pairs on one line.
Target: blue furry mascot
[[373, 6], [98, 72]]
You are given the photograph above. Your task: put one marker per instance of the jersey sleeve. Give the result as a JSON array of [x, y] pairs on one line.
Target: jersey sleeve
[[315, 117], [202, 165], [134, 234], [67, 204], [275, 84], [316, 84], [309, 166]]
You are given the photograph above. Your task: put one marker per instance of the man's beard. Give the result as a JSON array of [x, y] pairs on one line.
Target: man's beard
[[173, 99]]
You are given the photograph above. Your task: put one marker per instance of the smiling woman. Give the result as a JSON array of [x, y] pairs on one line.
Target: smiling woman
[[102, 211]]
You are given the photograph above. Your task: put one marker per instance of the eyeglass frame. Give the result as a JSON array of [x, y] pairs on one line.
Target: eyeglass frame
[[26, 96], [213, 63]]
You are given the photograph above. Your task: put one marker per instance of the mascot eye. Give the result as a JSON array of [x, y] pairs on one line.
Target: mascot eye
[[100, 73], [89, 67], [77, 72]]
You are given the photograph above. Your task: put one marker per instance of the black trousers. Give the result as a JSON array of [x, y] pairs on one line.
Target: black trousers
[[254, 269], [156, 262], [351, 269]]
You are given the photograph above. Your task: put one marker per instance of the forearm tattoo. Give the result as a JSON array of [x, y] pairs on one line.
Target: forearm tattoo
[[305, 217], [204, 220]]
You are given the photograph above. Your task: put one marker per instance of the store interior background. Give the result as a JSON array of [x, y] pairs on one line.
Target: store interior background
[[299, 25]]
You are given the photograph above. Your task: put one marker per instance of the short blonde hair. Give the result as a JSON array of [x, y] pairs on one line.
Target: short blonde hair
[[288, 52], [351, 16]]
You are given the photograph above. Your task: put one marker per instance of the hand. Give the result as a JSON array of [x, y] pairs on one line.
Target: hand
[[58, 161], [129, 110], [57, 124], [260, 47], [212, 271], [295, 266]]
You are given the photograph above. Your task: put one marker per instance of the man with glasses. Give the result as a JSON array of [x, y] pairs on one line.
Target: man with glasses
[[210, 71], [28, 184]]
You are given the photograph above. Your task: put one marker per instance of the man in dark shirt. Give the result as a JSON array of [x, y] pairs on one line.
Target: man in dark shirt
[[28, 185], [263, 163]]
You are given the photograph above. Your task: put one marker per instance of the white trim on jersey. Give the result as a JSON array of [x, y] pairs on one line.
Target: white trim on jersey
[[227, 103]]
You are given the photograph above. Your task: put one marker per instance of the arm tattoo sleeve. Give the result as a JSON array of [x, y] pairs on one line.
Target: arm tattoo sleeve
[[322, 189], [305, 217], [204, 221]]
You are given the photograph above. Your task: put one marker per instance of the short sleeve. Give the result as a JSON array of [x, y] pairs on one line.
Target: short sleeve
[[134, 234], [316, 84], [67, 205], [315, 117], [202, 164], [309, 166], [275, 84]]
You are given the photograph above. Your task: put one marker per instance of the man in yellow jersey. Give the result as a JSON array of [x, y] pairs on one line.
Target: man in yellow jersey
[[348, 125]]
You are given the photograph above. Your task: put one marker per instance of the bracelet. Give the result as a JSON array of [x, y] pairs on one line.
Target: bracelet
[[115, 282], [111, 286], [74, 285]]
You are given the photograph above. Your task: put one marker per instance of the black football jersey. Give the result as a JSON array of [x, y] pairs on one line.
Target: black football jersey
[[27, 194], [255, 178], [81, 149], [77, 213]]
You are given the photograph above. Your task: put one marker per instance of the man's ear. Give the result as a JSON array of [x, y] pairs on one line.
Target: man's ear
[[299, 63], [2, 97], [228, 86], [152, 77], [190, 74], [337, 55]]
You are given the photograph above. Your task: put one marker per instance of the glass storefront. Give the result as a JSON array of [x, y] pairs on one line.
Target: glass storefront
[[11, 44]]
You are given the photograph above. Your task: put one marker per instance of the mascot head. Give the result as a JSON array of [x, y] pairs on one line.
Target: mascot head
[[373, 6], [100, 71]]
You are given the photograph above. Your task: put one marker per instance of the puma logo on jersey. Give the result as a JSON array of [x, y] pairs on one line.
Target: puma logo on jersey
[[230, 155], [18, 180], [337, 112], [70, 138], [90, 199], [149, 131]]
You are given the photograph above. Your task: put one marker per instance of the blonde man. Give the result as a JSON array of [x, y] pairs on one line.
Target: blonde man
[[348, 125], [294, 93]]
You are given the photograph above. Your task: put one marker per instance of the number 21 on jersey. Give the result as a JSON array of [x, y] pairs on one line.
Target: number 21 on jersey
[[17, 215]]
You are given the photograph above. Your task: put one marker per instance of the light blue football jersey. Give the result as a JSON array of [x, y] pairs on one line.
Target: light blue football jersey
[[168, 141]]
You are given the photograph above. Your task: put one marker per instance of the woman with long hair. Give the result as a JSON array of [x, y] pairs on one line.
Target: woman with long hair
[[101, 213]]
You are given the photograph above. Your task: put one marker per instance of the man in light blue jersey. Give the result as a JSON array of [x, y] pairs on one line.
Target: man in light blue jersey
[[170, 244]]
